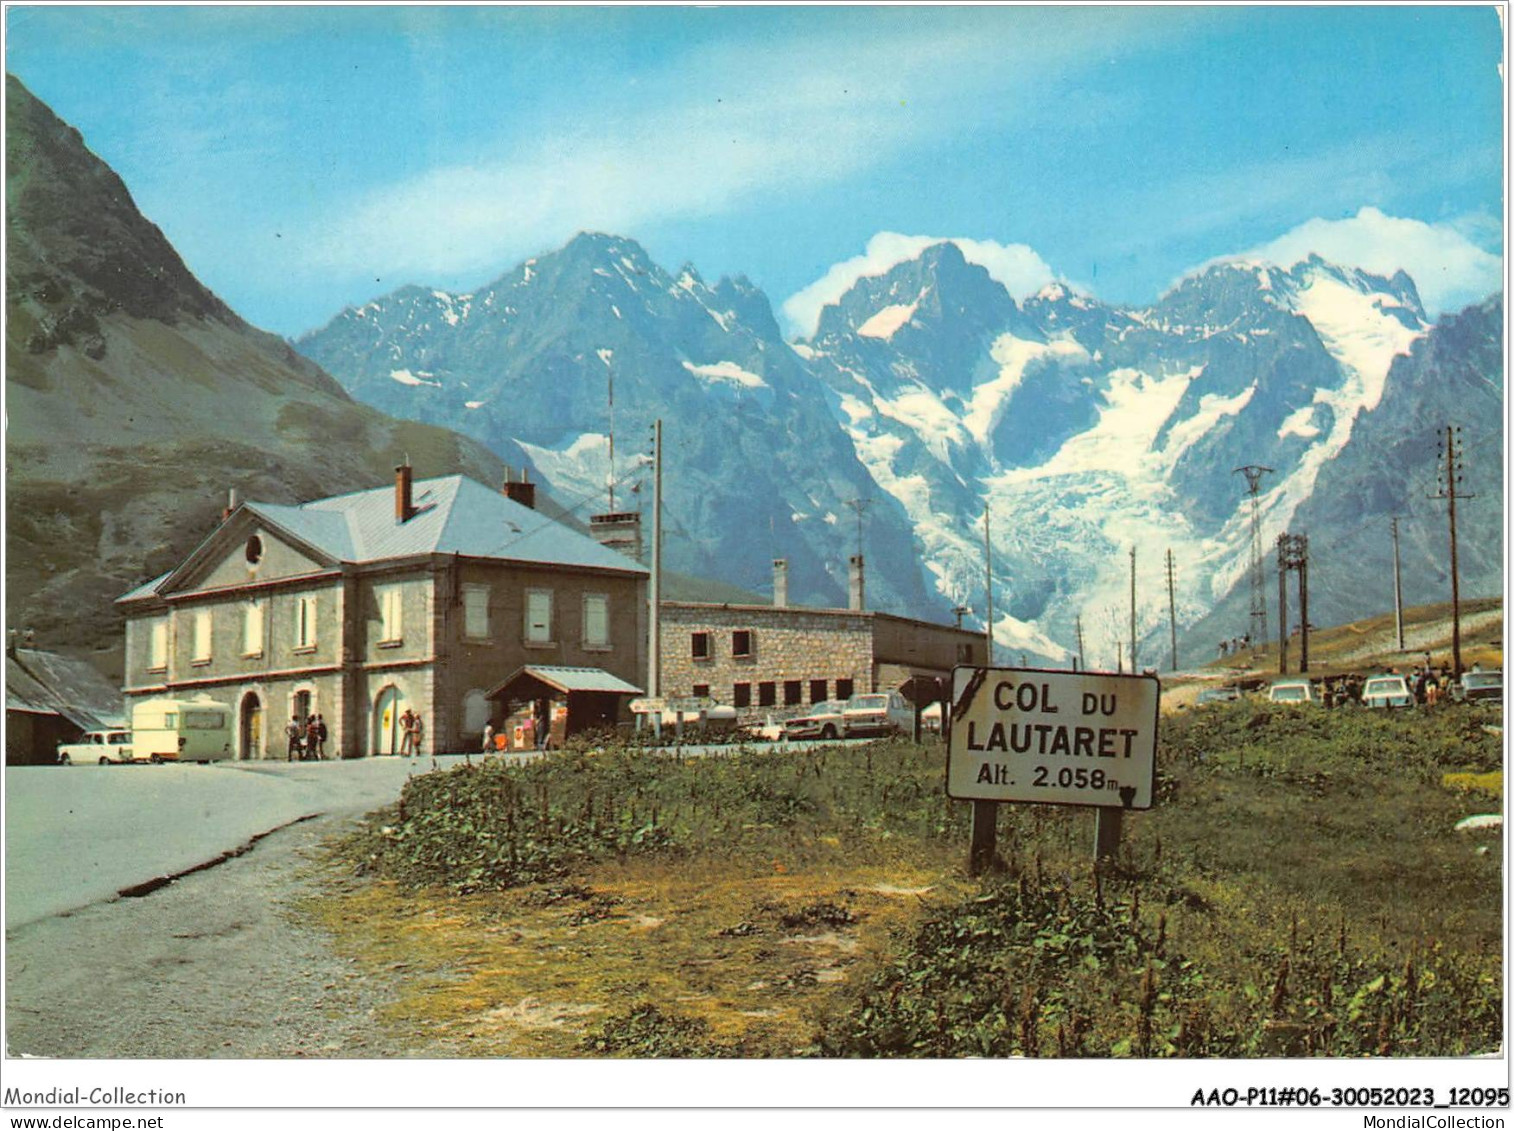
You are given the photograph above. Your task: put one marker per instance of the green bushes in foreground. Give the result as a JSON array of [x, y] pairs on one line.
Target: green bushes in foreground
[[1304, 890], [1035, 969], [495, 824]]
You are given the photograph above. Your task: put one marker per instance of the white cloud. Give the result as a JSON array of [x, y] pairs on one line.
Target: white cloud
[[711, 130], [1017, 266], [1449, 269]]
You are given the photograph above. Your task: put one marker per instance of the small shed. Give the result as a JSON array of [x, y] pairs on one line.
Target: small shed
[[592, 697], [51, 699]]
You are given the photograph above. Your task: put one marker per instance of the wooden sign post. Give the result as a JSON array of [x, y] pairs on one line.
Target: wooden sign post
[[1054, 737]]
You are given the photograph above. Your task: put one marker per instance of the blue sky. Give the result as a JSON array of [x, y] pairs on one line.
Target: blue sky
[[306, 158]]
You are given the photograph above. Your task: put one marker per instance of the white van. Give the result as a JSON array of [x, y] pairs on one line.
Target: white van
[[181, 730]]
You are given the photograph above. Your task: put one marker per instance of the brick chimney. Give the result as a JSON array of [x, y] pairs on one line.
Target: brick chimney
[[854, 584], [780, 583], [523, 492], [404, 507]]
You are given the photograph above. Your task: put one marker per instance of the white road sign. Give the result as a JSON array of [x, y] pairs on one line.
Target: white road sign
[[1067, 738]]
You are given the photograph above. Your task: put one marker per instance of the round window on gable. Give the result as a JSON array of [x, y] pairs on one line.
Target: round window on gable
[[254, 550]]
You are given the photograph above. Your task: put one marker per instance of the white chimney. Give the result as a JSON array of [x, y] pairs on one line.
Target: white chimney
[[854, 585], [780, 583]]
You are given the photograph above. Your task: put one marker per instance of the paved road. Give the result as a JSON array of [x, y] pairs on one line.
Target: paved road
[[76, 835]]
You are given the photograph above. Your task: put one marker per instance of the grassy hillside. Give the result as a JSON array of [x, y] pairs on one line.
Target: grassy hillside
[[1300, 889]]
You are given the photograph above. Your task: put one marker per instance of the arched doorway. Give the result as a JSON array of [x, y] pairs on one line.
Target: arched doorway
[[250, 733], [387, 709]]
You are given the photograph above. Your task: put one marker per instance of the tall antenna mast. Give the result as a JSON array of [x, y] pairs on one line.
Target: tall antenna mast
[[1253, 473], [859, 505], [610, 482]]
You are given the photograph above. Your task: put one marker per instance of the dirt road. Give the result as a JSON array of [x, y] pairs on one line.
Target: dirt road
[[217, 964]]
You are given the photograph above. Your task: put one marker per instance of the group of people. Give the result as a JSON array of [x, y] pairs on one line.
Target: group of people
[[307, 738], [1235, 645], [1428, 684], [412, 734]]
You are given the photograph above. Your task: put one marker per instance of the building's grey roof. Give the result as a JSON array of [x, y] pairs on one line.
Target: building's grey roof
[[566, 679], [146, 589], [50, 684], [454, 515]]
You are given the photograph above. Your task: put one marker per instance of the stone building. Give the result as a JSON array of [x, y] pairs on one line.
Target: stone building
[[761, 658], [424, 597]]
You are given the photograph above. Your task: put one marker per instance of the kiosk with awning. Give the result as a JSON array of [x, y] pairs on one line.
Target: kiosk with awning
[[577, 699]]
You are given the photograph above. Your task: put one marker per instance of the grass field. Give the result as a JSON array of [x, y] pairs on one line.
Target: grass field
[[1299, 889]]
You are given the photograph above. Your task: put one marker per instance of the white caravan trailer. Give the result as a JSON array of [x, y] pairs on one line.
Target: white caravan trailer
[[181, 730]]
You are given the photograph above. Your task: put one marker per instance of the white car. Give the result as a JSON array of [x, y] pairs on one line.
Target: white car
[[1292, 691], [884, 712], [1385, 691], [822, 720], [97, 747]]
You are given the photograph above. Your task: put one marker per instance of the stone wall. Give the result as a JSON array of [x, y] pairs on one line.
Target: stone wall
[[787, 645]]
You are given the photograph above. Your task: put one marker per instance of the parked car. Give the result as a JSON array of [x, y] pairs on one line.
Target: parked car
[[884, 712], [1478, 685], [1385, 691], [1292, 691], [97, 747], [822, 721], [1218, 695]]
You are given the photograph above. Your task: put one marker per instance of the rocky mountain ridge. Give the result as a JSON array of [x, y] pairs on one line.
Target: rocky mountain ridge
[[1087, 428]]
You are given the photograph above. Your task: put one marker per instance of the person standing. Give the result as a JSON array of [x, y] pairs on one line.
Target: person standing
[[292, 733], [543, 723], [488, 739], [320, 737]]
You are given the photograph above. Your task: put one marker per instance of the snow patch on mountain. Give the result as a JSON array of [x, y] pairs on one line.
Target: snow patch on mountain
[[927, 416], [1136, 406], [1299, 423], [1358, 332], [1013, 355], [886, 323], [1213, 407], [405, 377], [726, 372], [577, 469]]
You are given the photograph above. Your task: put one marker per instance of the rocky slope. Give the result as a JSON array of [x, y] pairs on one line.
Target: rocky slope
[[755, 467]]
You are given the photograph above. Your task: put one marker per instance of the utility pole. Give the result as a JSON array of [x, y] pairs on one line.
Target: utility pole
[[1293, 554], [1398, 589], [654, 645], [1253, 473], [1452, 451], [1302, 542], [1081, 664], [988, 569], [1132, 613], [1282, 604], [1172, 612]]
